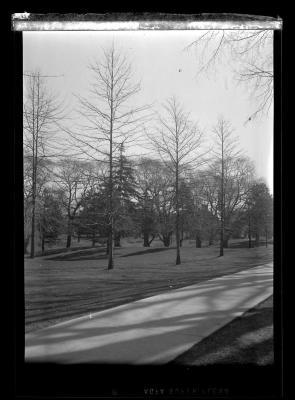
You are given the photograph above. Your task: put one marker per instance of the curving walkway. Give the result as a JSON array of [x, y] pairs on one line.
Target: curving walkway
[[152, 330]]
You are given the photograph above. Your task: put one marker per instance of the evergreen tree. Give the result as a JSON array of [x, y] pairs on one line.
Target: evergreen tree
[[92, 219], [124, 197], [50, 218]]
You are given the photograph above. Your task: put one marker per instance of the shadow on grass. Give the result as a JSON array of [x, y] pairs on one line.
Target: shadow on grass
[[147, 251], [100, 254], [60, 250], [244, 244], [89, 254]]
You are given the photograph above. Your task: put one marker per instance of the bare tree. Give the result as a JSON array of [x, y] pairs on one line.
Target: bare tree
[[201, 220], [41, 179], [229, 177], [109, 119], [49, 217], [73, 181], [177, 141], [251, 54], [226, 150], [42, 114], [163, 195]]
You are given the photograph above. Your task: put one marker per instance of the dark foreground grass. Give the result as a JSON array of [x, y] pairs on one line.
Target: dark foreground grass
[[62, 287], [245, 340]]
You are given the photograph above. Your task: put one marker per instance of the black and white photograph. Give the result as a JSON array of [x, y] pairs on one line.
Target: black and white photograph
[[148, 195]]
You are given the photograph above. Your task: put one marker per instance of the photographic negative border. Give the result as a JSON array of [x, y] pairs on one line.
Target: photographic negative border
[[125, 381]]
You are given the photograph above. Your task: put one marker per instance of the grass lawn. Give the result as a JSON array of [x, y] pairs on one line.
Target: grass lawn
[[68, 285], [247, 339]]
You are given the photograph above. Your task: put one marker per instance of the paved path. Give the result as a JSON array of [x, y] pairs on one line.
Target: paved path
[[155, 329]]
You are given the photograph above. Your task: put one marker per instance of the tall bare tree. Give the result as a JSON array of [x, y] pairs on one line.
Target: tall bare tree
[[41, 179], [229, 178], [226, 150], [43, 112], [109, 118], [177, 141]]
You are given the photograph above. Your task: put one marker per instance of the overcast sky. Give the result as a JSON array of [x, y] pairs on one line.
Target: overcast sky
[[165, 69]]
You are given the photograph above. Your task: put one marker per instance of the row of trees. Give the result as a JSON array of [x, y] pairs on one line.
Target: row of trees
[[73, 201], [184, 189]]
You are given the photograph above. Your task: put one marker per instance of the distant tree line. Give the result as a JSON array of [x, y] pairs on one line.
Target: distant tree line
[[73, 202]]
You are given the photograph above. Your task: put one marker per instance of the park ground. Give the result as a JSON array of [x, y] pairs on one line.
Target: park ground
[[71, 284], [247, 339]]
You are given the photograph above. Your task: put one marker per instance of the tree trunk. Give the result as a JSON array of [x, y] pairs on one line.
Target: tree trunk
[[108, 247], [266, 238], [110, 251], [111, 217], [34, 177], [26, 243], [182, 236], [69, 233], [32, 255], [257, 239], [43, 244], [146, 242], [177, 227], [221, 241], [78, 238], [198, 241], [69, 240], [177, 262], [222, 200], [149, 243], [249, 241], [249, 234], [166, 240]]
